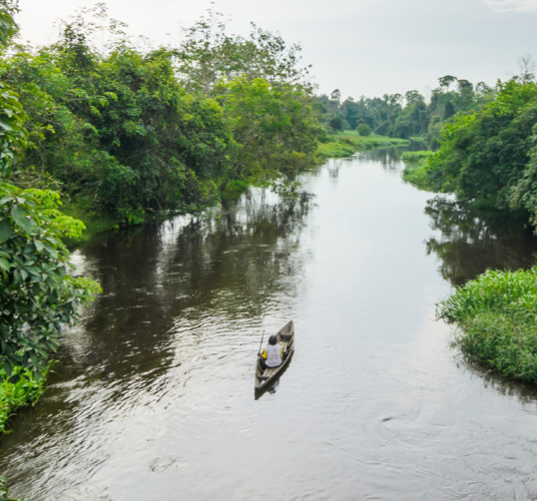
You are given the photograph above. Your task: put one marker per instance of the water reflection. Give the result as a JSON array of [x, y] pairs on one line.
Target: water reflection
[[229, 260], [470, 242], [153, 397], [525, 393], [182, 300], [389, 158]]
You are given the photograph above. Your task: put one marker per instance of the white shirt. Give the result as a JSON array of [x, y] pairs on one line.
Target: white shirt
[[273, 352]]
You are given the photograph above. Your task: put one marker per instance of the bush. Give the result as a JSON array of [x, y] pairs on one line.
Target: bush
[[13, 396], [363, 130], [416, 170]]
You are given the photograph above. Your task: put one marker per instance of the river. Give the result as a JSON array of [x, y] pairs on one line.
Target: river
[[153, 396]]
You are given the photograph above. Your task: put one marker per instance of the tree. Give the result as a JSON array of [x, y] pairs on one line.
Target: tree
[[449, 111], [209, 54], [485, 153], [37, 295], [8, 27], [336, 123], [446, 81], [275, 129], [413, 97], [335, 96], [526, 68], [363, 130]]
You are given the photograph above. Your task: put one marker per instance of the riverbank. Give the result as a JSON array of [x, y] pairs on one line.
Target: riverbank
[[346, 143], [496, 313], [341, 145]]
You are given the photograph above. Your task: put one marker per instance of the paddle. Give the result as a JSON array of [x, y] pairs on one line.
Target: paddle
[[261, 344]]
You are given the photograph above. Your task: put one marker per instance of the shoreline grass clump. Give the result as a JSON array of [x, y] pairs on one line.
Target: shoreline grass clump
[[415, 172], [14, 396], [497, 317]]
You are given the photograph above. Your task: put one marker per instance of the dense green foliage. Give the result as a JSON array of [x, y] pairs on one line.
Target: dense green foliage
[[490, 154], [406, 116], [416, 168], [497, 317], [274, 126], [125, 133], [37, 295]]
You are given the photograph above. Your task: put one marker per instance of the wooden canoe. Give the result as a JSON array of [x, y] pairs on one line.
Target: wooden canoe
[[264, 379]]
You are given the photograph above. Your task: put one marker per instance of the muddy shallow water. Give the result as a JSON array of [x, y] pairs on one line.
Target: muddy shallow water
[[153, 396]]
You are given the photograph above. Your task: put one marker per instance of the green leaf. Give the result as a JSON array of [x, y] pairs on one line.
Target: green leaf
[[5, 200], [14, 379], [5, 230], [4, 264], [7, 123], [7, 368], [22, 220]]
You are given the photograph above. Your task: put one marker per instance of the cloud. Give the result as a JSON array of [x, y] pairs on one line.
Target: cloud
[[512, 5]]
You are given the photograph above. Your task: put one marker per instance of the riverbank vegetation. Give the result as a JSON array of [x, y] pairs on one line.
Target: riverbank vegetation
[[415, 171], [128, 132], [346, 143], [489, 155], [487, 158], [37, 295], [496, 315]]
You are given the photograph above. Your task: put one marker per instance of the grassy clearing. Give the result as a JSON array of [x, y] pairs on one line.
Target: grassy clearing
[[418, 139], [335, 149], [415, 171], [497, 317], [345, 144], [373, 140]]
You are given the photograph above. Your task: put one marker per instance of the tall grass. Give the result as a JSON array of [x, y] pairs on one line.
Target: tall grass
[[497, 318]]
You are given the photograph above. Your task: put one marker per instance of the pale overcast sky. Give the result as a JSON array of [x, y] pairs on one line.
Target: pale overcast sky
[[362, 47]]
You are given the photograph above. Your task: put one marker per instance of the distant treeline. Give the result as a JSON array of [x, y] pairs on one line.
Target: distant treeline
[[124, 130], [405, 116]]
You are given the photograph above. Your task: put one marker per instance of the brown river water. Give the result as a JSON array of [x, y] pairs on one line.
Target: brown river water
[[153, 396]]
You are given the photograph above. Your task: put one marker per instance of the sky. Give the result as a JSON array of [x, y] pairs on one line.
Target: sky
[[361, 47]]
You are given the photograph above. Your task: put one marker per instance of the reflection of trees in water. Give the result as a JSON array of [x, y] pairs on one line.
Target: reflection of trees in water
[[334, 165], [230, 264], [187, 278], [471, 242], [525, 393], [389, 158]]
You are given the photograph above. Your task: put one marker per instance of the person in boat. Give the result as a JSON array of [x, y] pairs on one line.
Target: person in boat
[[272, 355]]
